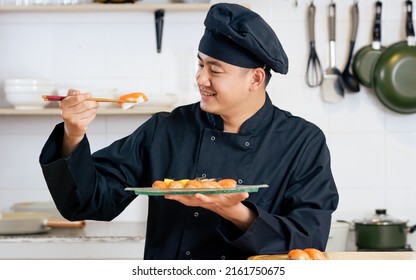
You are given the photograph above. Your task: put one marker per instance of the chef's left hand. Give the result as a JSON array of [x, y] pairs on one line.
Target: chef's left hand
[[228, 206]]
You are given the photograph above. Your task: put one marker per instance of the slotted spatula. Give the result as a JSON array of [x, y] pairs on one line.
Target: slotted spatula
[[332, 89]]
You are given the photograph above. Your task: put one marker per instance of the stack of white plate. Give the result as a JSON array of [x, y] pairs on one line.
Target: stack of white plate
[[47, 207], [27, 93]]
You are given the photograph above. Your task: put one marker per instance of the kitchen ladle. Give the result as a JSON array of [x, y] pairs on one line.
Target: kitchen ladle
[[350, 82]]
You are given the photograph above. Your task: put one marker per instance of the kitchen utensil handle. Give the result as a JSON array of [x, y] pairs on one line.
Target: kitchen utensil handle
[[332, 26], [355, 19], [311, 18], [53, 97], [377, 23], [98, 99], [62, 223], [159, 15], [410, 32]]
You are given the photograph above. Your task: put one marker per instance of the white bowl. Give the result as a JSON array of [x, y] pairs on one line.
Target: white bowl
[[28, 82], [27, 97], [26, 100], [35, 89]]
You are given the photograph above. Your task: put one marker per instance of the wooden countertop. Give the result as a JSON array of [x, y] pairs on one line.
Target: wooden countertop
[[351, 256]]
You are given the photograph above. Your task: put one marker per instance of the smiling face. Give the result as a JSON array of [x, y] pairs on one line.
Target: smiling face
[[230, 91]]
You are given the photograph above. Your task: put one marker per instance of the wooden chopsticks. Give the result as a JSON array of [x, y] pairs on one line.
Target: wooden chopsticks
[[98, 99]]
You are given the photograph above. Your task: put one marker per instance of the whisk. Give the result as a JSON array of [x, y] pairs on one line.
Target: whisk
[[314, 69]]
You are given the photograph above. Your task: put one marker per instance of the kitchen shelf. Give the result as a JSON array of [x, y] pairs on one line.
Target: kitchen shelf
[[101, 111], [99, 7]]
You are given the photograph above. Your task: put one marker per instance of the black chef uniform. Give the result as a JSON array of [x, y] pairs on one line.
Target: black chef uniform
[[273, 147]]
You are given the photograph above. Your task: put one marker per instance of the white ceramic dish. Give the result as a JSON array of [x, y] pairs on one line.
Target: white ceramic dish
[[27, 93], [26, 101], [164, 100], [27, 97], [38, 207], [43, 89], [28, 82]]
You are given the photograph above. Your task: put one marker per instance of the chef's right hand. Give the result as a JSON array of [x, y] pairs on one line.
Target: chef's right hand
[[77, 113]]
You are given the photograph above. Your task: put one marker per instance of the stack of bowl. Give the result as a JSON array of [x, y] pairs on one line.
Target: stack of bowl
[[27, 93]]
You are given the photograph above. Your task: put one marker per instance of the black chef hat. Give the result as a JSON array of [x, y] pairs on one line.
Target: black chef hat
[[239, 36]]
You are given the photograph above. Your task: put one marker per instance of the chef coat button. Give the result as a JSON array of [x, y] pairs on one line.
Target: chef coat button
[[247, 144], [212, 138], [188, 253], [223, 257], [204, 175], [240, 181], [196, 214]]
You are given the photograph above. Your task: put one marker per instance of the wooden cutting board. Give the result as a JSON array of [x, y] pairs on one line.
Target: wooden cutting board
[[349, 256]]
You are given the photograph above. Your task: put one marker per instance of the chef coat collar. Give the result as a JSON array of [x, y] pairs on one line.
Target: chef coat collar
[[249, 126]]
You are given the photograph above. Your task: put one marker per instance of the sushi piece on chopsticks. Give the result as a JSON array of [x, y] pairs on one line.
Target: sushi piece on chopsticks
[[128, 100]]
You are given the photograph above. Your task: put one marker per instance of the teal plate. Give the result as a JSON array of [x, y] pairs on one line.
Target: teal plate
[[161, 192]]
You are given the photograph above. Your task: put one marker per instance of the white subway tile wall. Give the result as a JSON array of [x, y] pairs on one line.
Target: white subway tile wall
[[373, 149]]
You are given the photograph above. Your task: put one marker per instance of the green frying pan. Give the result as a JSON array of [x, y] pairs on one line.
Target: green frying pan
[[364, 59], [394, 75]]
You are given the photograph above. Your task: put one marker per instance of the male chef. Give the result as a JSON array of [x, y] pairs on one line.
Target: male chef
[[234, 131]]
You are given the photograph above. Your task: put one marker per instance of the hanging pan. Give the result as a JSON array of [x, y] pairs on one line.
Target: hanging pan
[[394, 79], [32, 222], [365, 58]]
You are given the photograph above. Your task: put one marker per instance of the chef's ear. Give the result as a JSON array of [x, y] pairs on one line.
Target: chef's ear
[[258, 77]]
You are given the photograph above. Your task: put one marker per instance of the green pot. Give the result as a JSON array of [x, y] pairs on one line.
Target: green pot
[[381, 232]]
